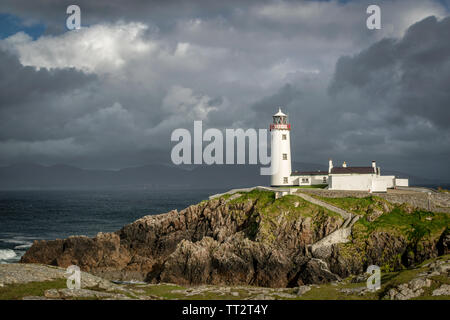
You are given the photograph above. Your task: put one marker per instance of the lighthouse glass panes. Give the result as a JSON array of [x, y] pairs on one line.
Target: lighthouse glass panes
[[285, 180], [284, 156], [279, 119], [283, 137]]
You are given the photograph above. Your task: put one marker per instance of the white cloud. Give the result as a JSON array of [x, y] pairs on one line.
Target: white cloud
[[182, 106], [99, 48]]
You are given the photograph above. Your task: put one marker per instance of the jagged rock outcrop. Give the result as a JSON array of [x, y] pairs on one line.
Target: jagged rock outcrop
[[418, 285], [224, 242], [212, 242], [443, 245]]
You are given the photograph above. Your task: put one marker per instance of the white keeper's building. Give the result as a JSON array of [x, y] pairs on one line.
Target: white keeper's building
[[337, 178]]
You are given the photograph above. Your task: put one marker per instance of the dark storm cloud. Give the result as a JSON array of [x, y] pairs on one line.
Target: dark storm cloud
[[411, 74], [31, 100], [19, 83], [282, 98]]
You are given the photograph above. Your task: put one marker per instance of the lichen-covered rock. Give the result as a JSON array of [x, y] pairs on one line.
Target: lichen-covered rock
[[443, 244], [302, 290], [412, 289], [316, 271], [443, 290], [69, 294]]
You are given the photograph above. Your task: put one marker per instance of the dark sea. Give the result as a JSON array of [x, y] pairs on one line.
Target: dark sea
[[26, 216]]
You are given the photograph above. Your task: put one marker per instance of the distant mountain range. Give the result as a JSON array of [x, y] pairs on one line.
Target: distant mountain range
[[156, 176]]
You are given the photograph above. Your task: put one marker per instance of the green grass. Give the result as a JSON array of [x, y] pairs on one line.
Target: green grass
[[405, 223], [226, 196], [262, 197], [294, 207], [360, 206], [331, 292], [18, 291], [168, 292], [160, 290]]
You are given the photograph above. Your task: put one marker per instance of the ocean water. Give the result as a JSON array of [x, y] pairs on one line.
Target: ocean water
[[26, 216]]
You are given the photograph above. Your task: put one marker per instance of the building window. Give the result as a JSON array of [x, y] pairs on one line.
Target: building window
[[324, 179], [283, 137], [305, 180], [285, 179], [284, 156]]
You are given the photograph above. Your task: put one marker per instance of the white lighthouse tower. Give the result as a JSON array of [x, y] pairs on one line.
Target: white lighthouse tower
[[281, 150]]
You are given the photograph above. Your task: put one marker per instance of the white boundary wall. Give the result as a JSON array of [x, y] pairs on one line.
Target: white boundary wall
[[401, 182]]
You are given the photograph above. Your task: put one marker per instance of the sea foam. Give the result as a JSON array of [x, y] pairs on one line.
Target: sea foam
[[6, 254]]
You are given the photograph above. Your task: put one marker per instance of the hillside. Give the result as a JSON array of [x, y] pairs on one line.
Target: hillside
[[254, 239]]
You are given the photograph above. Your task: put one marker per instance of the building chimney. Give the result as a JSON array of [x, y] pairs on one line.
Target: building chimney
[[330, 165], [344, 165], [374, 166]]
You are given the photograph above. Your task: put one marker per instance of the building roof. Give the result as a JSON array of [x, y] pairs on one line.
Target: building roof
[[309, 173], [358, 170], [279, 113]]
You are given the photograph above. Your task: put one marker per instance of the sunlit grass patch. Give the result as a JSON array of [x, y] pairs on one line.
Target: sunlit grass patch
[[19, 290]]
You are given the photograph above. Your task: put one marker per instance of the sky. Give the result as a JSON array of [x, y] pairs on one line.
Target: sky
[[110, 94]]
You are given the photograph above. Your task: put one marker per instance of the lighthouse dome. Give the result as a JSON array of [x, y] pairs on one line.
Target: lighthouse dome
[[279, 113]]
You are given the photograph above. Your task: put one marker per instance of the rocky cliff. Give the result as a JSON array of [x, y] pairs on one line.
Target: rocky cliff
[[249, 238]]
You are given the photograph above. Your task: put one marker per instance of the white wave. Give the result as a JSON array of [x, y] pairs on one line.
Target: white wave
[[16, 240], [13, 241], [20, 242], [24, 246], [6, 254]]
